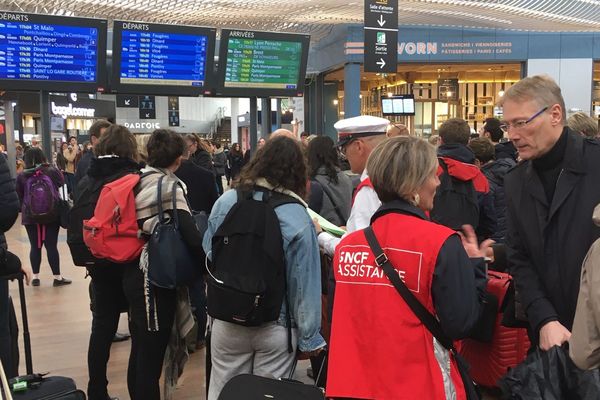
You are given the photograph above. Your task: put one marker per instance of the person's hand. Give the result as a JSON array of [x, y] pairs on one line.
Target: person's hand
[[469, 242], [314, 353], [26, 269], [317, 226], [553, 334]]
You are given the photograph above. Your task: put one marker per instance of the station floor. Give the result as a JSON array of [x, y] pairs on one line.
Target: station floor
[[60, 321]]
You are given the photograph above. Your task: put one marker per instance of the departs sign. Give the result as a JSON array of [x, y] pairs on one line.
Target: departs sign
[[381, 36]]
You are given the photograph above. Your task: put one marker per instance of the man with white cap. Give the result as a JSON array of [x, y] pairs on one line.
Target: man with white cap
[[357, 137]]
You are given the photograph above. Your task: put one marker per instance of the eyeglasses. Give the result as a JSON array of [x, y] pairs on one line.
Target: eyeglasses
[[344, 147], [505, 126]]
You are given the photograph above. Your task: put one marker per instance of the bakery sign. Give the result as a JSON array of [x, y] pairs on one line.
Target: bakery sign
[[453, 48]]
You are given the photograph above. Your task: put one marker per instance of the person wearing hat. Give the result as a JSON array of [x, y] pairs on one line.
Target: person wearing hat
[[357, 137]]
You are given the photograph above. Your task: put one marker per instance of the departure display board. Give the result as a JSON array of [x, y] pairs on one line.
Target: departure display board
[[162, 59], [262, 63], [398, 105], [41, 52]]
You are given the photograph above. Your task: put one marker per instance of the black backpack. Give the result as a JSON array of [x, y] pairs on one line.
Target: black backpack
[[247, 282], [86, 198], [455, 203]]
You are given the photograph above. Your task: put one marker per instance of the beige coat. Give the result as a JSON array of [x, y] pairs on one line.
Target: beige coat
[[584, 345], [70, 156]]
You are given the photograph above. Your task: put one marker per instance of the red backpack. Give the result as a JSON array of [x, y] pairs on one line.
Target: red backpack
[[112, 233]]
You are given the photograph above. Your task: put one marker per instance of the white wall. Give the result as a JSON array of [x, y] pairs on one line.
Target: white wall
[[574, 76]]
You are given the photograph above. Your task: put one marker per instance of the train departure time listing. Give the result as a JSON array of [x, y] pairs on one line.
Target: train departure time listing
[[48, 52]]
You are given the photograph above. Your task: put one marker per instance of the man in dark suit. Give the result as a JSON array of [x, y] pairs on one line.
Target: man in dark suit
[[550, 197]]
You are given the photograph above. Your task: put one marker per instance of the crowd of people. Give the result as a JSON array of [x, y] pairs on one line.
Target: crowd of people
[[424, 221]]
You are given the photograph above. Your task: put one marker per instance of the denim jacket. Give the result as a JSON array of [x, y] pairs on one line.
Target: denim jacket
[[302, 266]]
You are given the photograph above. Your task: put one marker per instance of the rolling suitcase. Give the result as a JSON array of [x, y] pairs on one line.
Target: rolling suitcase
[[509, 346], [36, 386], [253, 387]]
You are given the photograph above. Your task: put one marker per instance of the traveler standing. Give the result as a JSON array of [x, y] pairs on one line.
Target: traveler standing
[[494, 171], [550, 198], [357, 137], [69, 154], [202, 194], [463, 196], [220, 163], [387, 352], [264, 350], [323, 168], [95, 132], [150, 332], [199, 155], [236, 161], [37, 188], [9, 263], [115, 157]]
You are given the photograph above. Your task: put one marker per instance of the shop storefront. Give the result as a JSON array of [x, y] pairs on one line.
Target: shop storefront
[[451, 73], [70, 116]]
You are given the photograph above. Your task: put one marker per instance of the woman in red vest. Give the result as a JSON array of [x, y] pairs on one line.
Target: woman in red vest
[[379, 348]]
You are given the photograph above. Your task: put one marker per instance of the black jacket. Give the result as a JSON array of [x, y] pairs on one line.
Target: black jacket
[[505, 150], [546, 243], [236, 163], [83, 165], [202, 158], [201, 186], [495, 173], [9, 202]]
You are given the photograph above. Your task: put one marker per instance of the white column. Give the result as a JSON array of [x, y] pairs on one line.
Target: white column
[[234, 121], [573, 75]]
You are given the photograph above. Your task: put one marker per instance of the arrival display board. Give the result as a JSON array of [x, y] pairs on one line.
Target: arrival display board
[[272, 63], [40, 52], [162, 59], [381, 36]]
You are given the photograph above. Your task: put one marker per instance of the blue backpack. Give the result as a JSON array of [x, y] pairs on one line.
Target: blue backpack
[[41, 198]]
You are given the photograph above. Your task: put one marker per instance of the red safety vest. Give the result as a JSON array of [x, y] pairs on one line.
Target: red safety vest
[[379, 348], [364, 183]]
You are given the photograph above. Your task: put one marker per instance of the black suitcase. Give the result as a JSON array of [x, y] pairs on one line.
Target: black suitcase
[[40, 387], [252, 387]]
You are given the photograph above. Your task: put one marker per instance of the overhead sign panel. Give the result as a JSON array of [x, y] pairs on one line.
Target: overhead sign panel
[[162, 59], [381, 36], [262, 63], [42, 52]]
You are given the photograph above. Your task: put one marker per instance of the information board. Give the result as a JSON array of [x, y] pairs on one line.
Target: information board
[[381, 36], [398, 105], [262, 63], [41, 52], [162, 59]]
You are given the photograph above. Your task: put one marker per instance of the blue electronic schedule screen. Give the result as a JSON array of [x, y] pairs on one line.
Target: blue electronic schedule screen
[[44, 52], [162, 58]]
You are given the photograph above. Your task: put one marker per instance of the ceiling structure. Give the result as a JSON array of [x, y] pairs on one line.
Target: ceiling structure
[[318, 17]]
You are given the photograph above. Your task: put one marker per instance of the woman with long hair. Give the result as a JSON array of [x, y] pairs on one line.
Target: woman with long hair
[[324, 171], [263, 350], [236, 161], [37, 188]]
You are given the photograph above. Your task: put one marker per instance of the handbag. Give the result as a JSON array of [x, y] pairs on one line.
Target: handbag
[[428, 319], [170, 263]]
